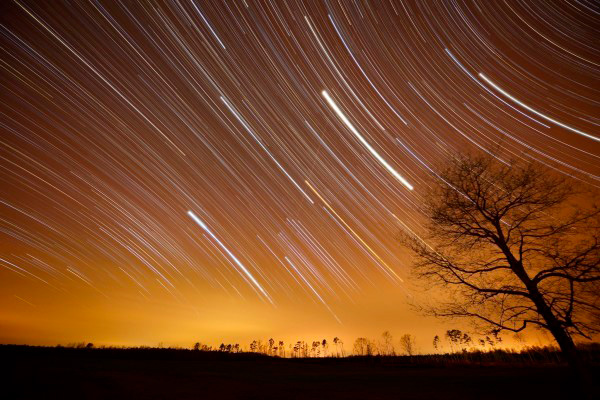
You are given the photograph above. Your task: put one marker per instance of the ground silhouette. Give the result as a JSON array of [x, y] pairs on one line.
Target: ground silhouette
[[86, 373]]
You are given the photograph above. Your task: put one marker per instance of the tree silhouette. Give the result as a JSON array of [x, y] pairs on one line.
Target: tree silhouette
[[315, 348], [197, 346], [363, 347], [453, 336], [360, 346], [466, 340], [298, 348], [436, 342], [407, 343], [387, 347], [336, 342], [515, 246]]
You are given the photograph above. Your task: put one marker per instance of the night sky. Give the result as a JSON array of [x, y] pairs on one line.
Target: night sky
[[224, 171]]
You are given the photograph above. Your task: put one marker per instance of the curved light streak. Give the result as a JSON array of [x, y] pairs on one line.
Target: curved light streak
[[346, 121], [492, 84]]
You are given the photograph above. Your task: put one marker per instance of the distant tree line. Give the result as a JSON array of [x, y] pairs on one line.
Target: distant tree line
[[454, 340], [271, 347], [454, 347]]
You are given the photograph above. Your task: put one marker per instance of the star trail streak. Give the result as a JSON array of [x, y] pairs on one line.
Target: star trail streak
[[485, 78], [230, 254], [363, 141], [298, 136]]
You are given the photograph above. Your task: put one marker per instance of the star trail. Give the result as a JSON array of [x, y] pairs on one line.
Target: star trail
[[262, 156]]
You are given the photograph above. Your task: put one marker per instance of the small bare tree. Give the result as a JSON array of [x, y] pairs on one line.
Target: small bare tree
[[436, 343], [408, 344], [387, 344], [315, 350], [336, 342], [512, 246], [453, 336], [364, 347]]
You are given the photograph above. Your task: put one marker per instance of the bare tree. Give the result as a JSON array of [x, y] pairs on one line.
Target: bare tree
[[387, 344], [336, 341], [408, 344], [515, 245], [453, 336], [436, 343], [362, 347], [315, 348], [466, 341]]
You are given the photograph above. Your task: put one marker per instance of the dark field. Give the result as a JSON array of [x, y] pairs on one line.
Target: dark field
[[54, 373]]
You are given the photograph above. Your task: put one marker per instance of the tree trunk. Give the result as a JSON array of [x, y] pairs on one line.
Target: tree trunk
[[565, 342], [578, 365]]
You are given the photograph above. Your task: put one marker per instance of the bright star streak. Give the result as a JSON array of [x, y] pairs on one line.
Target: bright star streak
[[233, 257], [485, 78], [346, 121]]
